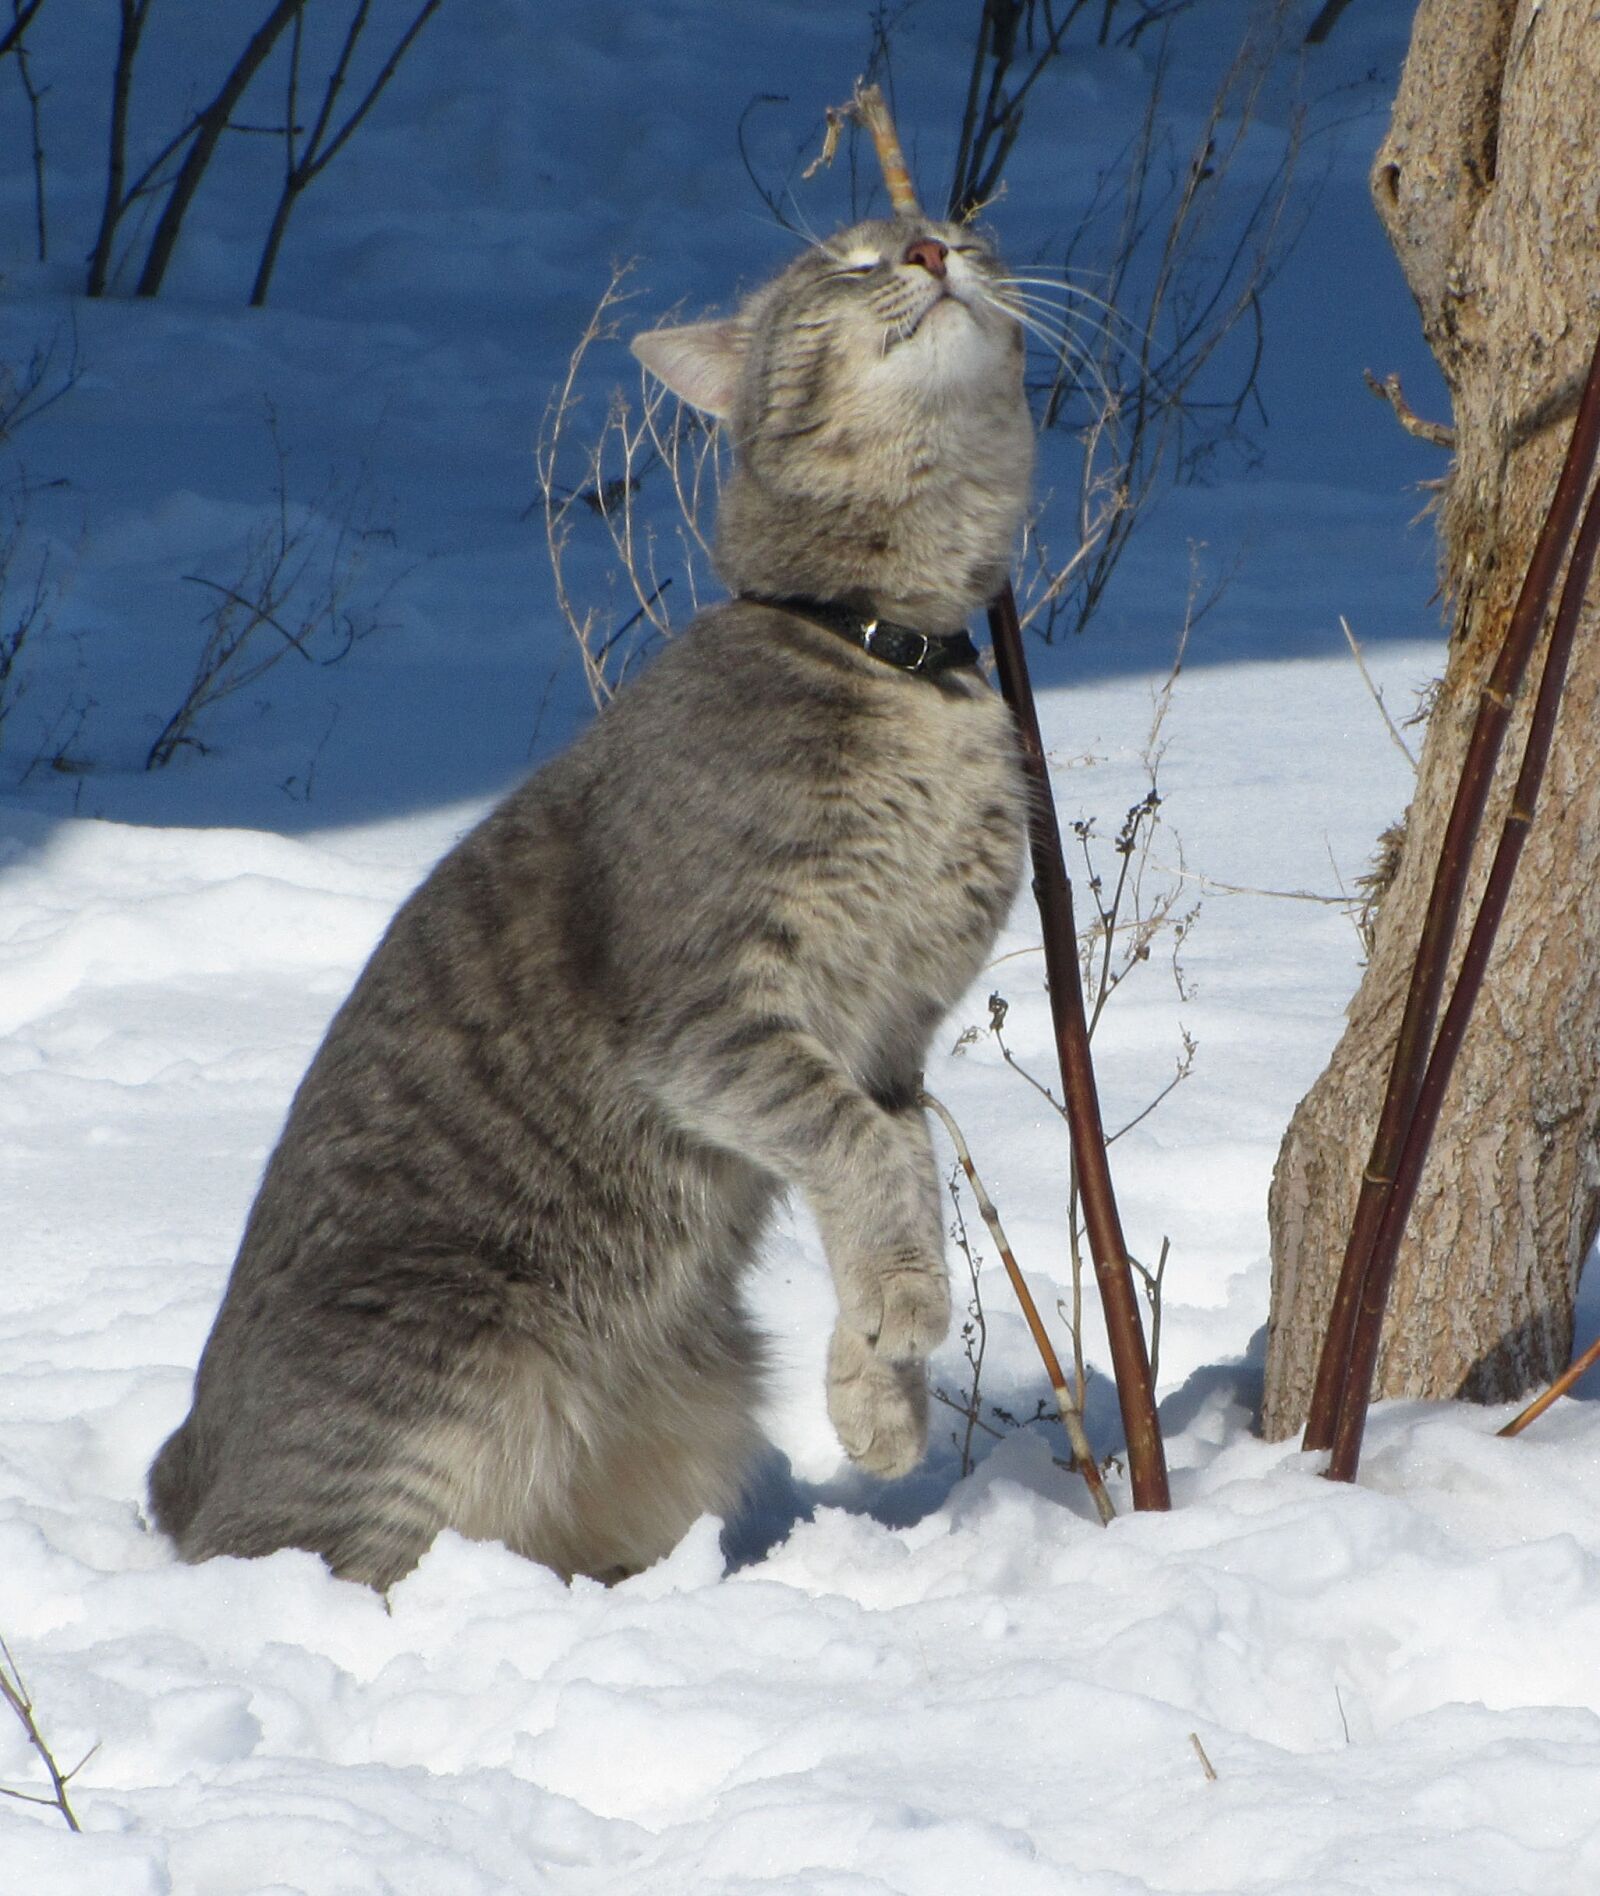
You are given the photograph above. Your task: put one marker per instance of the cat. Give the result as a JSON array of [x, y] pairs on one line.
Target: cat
[[492, 1277]]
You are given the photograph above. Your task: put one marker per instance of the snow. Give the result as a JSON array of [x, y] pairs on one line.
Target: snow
[[953, 1682]]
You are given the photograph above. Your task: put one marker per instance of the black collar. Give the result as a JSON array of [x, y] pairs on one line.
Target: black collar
[[903, 646]]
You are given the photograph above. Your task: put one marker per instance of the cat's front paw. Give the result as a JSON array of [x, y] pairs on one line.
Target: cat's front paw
[[879, 1409], [901, 1309]]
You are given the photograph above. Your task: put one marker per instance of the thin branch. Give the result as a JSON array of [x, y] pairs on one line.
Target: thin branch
[[1557, 1389], [1389, 390], [967, 1414], [314, 155], [1071, 1416], [15, 1694], [1213, 886], [974, 1334], [210, 126], [1184, 1066], [260, 613], [24, 10], [1377, 696], [22, 14], [1325, 22]]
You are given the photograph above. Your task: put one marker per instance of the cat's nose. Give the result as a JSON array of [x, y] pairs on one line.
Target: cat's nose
[[930, 253]]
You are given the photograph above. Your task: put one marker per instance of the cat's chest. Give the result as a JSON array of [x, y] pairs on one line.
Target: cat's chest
[[921, 858], [941, 798]]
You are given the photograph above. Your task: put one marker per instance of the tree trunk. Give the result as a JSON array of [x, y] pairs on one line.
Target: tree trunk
[[1489, 188]]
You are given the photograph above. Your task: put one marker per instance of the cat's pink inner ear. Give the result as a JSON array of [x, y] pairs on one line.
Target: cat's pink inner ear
[[699, 362]]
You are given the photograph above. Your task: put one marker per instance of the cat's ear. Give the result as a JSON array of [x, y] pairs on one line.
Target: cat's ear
[[699, 362]]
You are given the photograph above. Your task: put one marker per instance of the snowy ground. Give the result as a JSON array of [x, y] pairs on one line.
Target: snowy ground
[[952, 1683]]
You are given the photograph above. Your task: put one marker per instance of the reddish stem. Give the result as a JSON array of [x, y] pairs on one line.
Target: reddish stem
[[1452, 1029], [1444, 909], [1052, 888]]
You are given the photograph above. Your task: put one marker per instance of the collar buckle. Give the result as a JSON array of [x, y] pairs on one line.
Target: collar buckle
[[906, 648], [899, 654]]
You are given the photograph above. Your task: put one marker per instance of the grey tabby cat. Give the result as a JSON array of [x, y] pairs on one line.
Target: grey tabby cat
[[492, 1280]]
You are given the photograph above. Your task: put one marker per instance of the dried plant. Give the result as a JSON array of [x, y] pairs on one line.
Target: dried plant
[[15, 1694], [1153, 371], [24, 612], [307, 154], [298, 588], [968, 1402], [604, 473], [1139, 901], [1068, 1403]]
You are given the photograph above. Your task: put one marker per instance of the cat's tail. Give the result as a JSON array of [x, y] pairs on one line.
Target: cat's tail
[[175, 1484]]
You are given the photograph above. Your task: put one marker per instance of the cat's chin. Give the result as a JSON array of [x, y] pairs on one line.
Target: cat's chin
[[954, 345]]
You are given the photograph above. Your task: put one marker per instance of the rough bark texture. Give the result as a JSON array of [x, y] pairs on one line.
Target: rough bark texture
[[1489, 187]]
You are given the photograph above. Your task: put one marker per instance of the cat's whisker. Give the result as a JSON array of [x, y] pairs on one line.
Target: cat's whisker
[[1066, 346], [1065, 290], [1049, 328], [774, 220], [1070, 336], [1041, 312], [1082, 325], [805, 226], [1066, 338]]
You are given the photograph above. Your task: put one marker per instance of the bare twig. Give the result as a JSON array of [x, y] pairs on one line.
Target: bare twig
[[209, 126], [296, 573], [1140, 390], [1327, 19], [1377, 696], [1389, 390], [22, 12], [1071, 1414], [992, 119], [264, 614], [26, 393], [15, 1694], [1183, 1067], [1200, 1753], [303, 162], [1579, 1368], [974, 1333], [633, 441], [1213, 886]]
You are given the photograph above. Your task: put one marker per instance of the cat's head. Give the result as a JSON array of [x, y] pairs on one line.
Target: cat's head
[[882, 446]]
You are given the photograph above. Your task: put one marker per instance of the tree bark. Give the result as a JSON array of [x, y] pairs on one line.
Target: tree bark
[[1488, 187]]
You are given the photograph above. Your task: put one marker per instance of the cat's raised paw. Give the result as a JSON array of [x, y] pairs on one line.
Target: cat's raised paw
[[879, 1409], [905, 1312]]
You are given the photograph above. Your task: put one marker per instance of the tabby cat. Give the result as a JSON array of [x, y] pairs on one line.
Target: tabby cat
[[492, 1279]]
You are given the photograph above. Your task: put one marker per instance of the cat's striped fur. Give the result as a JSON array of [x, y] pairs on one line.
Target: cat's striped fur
[[492, 1277]]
